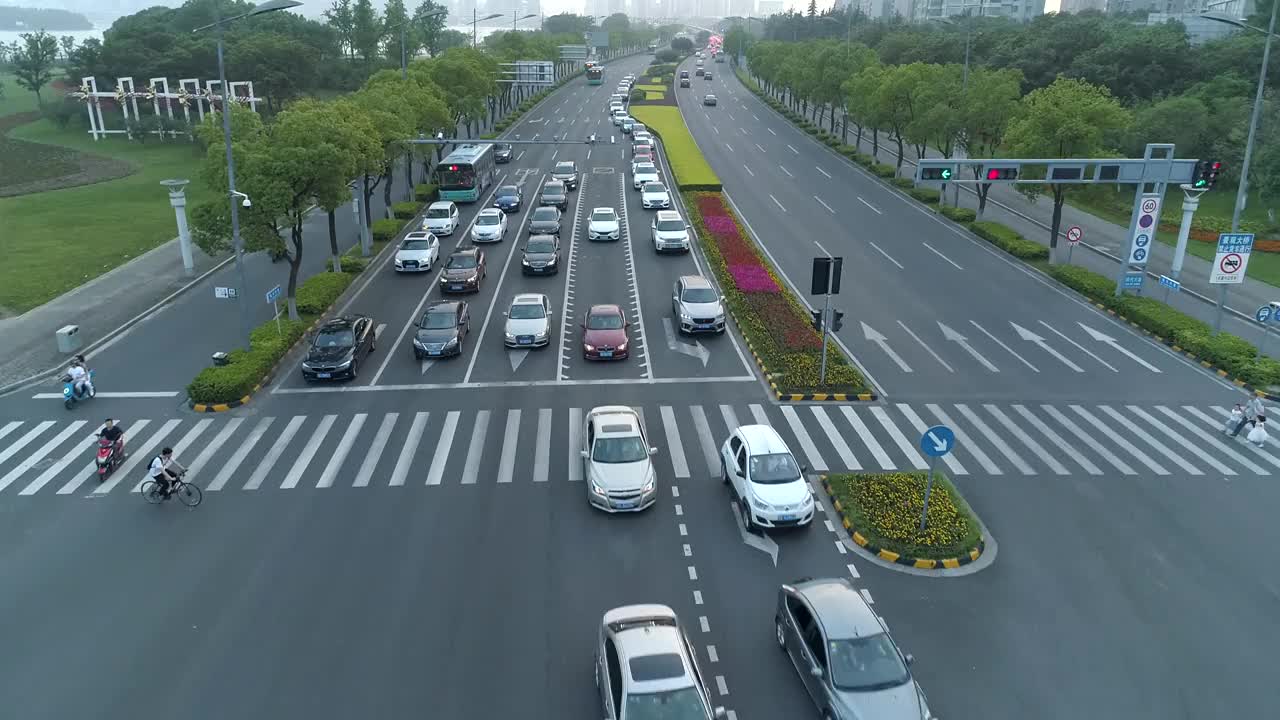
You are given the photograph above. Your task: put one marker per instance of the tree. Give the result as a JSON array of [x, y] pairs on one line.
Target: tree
[[567, 24], [426, 30], [898, 104], [1182, 120], [33, 63], [281, 66], [392, 127], [989, 104], [1265, 169], [1069, 118], [341, 18], [393, 16], [617, 22], [449, 39], [366, 29], [702, 38], [359, 150], [467, 78], [862, 105], [736, 41], [68, 44], [682, 45], [85, 60], [813, 8]]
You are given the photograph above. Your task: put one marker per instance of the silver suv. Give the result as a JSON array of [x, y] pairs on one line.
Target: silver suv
[[647, 668], [696, 305]]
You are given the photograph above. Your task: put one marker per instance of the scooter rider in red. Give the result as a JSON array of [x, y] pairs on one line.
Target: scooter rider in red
[[115, 434]]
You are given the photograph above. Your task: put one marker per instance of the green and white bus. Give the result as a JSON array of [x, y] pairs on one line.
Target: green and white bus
[[595, 74], [466, 172]]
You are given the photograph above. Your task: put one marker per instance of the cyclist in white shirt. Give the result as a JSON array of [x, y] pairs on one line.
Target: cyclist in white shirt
[[165, 470]]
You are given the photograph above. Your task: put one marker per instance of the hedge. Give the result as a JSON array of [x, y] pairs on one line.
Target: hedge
[[904, 183], [960, 215], [687, 163], [929, 196], [267, 344], [1236, 356], [406, 210], [1010, 241], [387, 228], [885, 509], [884, 171], [425, 192]]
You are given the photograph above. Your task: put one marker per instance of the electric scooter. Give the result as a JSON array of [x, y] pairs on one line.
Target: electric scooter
[[72, 395]]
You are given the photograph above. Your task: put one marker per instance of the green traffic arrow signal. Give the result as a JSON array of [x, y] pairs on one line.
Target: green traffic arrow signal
[[946, 173], [1201, 183]]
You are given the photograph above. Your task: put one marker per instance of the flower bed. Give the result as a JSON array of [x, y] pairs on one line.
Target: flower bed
[[776, 326], [884, 508]]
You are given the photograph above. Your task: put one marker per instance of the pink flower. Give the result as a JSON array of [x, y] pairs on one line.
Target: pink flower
[[721, 225], [752, 279]]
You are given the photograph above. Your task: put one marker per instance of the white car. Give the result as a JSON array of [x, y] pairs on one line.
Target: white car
[[639, 127], [642, 173], [640, 136], [528, 322], [491, 226], [767, 481], [654, 196], [669, 232], [617, 107], [619, 117], [617, 460], [442, 218], [604, 225], [696, 305], [418, 252]]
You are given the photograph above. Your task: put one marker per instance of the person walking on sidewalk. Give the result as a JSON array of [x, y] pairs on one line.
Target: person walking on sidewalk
[[1252, 411]]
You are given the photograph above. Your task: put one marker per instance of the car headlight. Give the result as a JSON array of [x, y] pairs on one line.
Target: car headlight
[[473, 278], [622, 346], [589, 348], [419, 343], [306, 366], [808, 500], [545, 333], [595, 488], [759, 504], [524, 262], [649, 485], [344, 365], [451, 343], [509, 336], [686, 316]]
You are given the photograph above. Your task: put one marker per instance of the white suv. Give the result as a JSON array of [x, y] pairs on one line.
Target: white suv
[[442, 218], [669, 232], [768, 483]]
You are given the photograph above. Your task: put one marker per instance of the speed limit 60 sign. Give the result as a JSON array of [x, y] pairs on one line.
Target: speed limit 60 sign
[[1144, 229]]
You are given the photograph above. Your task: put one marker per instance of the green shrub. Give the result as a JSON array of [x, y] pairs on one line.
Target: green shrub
[[928, 196], [687, 163], [406, 210], [1010, 241], [353, 264], [904, 183], [885, 509], [865, 160], [386, 229], [960, 215], [884, 171], [425, 192], [319, 292]]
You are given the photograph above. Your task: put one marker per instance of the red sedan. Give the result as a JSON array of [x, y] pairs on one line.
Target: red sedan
[[604, 334]]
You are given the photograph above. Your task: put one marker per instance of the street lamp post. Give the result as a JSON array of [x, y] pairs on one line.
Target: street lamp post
[[475, 21], [404, 75], [178, 201], [237, 243]]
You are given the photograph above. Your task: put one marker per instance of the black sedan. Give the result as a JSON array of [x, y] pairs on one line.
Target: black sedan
[[545, 221], [554, 193], [442, 330], [502, 153], [541, 255], [338, 348], [508, 198]]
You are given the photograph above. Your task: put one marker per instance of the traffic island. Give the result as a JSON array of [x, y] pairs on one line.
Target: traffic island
[[881, 513]]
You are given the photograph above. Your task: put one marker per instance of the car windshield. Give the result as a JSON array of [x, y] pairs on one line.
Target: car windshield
[[461, 262], [416, 244], [508, 191], [866, 663], [699, 295], [438, 212], [645, 169], [563, 168], [540, 246], [489, 220], [526, 311], [438, 320], [682, 704], [670, 225], [774, 468], [619, 450], [602, 216], [544, 214], [502, 146], [654, 188], [338, 338], [553, 189], [604, 321]]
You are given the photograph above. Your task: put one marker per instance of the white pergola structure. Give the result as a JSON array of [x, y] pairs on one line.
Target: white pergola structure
[[162, 99]]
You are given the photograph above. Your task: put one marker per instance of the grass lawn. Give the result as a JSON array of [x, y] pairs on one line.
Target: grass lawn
[[58, 240], [16, 98]]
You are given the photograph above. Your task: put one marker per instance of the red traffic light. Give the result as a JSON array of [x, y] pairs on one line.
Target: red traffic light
[[1217, 166], [453, 168], [1006, 173]]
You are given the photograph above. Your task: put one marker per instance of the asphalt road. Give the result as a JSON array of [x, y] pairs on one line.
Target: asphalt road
[[929, 310]]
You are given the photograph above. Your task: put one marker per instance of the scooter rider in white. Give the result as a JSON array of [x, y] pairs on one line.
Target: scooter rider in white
[[80, 382]]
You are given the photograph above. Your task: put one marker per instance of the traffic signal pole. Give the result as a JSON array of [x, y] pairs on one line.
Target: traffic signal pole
[[1190, 202], [826, 322]]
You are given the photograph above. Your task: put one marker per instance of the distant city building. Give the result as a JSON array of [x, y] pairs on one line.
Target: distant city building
[[765, 8], [741, 8], [1077, 6], [616, 6], [1017, 10]]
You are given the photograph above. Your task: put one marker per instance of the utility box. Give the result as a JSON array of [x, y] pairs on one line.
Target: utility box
[[68, 338]]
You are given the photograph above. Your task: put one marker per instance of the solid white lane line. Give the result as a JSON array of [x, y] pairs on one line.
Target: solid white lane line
[[806, 443], [788, 172], [760, 416], [887, 256], [1190, 447], [374, 454], [1087, 439], [996, 440], [828, 207], [674, 448], [1117, 439], [775, 202], [510, 440], [475, 452], [999, 342], [928, 349], [730, 417], [824, 172], [228, 428], [759, 148], [797, 152], [242, 451], [899, 439], [1080, 347], [332, 467], [1035, 447], [634, 280], [575, 444], [709, 451], [443, 446], [873, 207], [1056, 438], [1146, 436], [920, 425], [308, 452], [771, 130], [944, 257], [39, 455], [833, 436], [1217, 425], [542, 451], [137, 455], [864, 434], [748, 169]]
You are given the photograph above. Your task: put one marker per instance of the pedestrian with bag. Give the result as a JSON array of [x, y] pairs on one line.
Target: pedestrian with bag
[[1253, 410]]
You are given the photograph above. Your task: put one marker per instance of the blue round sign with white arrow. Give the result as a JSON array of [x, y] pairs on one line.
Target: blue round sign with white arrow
[[937, 441]]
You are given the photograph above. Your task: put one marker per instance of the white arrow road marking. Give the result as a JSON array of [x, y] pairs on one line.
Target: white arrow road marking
[[875, 336], [1080, 347], [426, 365], [694, 350], [516, 357], [1113, 343], [1031, 337], [963, 342], [761, 542]]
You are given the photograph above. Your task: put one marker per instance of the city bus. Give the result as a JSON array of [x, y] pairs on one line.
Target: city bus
[[595, 74], [466, 172]]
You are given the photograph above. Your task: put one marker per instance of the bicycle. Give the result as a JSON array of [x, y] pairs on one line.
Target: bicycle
[[188, 494]]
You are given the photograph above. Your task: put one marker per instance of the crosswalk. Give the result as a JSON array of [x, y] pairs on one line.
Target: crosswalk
[[468, 447]]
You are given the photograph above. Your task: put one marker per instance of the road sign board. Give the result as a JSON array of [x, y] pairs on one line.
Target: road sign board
[[224, 293], [274, 294], [1170, 283], [1264, 314], [938, 441], [1074, 234], [1232, 259], [1133, 280], [1144, 228]]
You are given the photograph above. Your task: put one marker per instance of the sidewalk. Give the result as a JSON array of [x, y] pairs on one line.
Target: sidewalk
[[116, 302]]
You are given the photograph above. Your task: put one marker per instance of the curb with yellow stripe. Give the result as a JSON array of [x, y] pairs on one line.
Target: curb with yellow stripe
[[801, 397], [895, 558], [233, 404]]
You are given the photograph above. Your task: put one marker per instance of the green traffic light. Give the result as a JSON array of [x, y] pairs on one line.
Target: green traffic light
[[1201, 183], [946, 173]]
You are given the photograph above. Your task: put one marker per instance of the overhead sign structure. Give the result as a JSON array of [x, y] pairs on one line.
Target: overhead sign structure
[[573, 52], [1232, 258], [599, 38], [1144, 229], [533, 72], [1074, 234]]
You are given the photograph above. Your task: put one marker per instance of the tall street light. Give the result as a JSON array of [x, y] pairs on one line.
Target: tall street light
[[1242, 190], [237, 244], [515, 19], [404, 61], [477, 20]]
